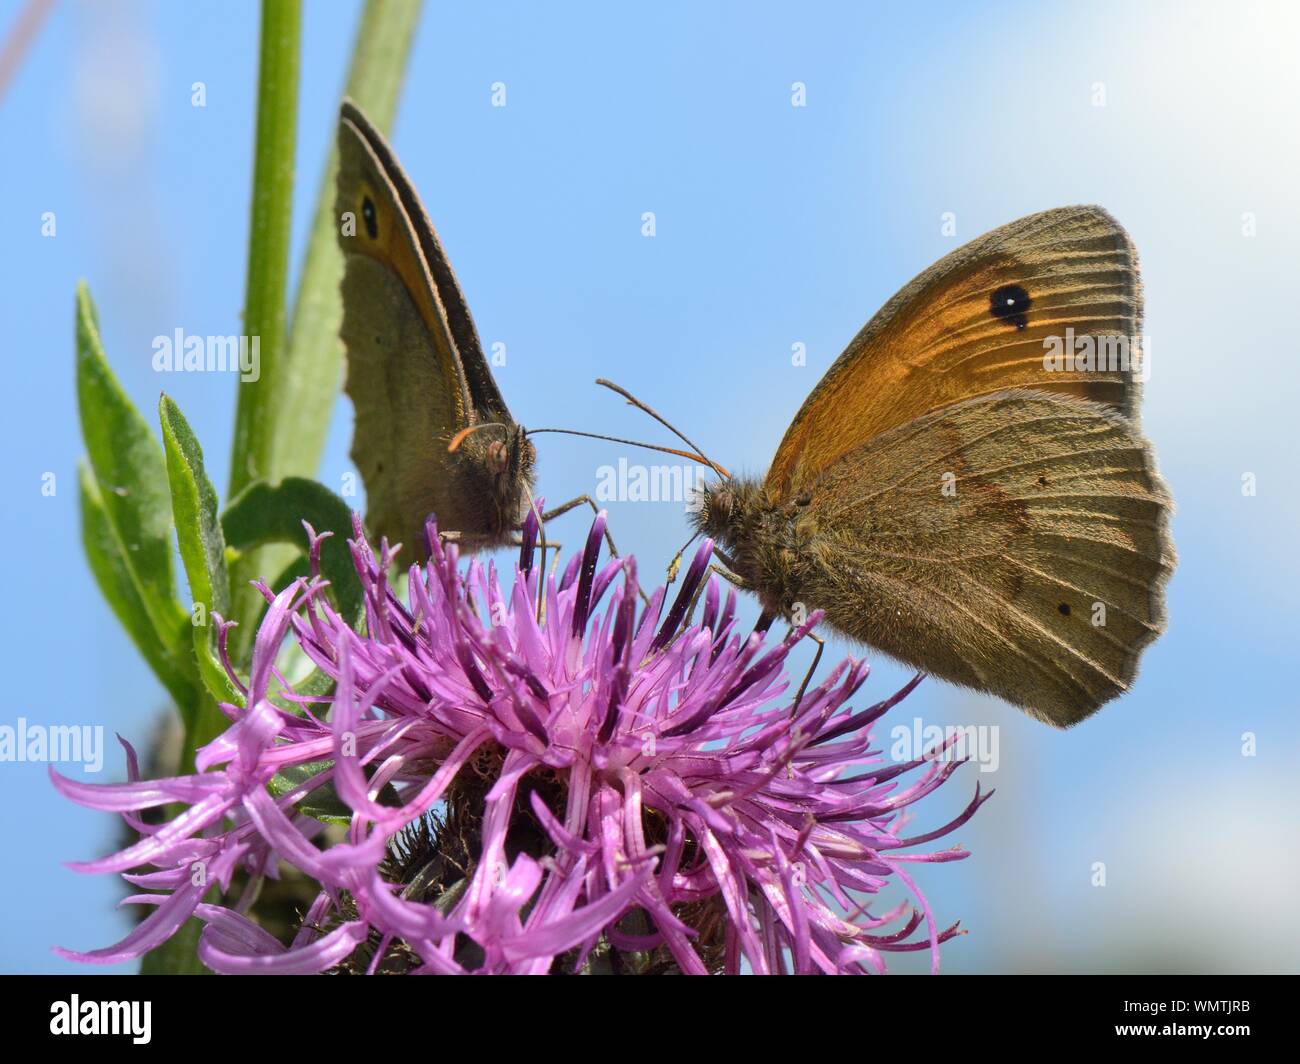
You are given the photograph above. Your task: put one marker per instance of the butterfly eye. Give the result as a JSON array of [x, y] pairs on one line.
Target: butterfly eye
[[721, 503], [370, 218], [498, 457], [1010, 303]]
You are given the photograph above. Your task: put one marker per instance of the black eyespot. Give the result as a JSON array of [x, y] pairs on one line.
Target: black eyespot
[[371, 220], [1064, 607], [1042, 481], [1010, 303]]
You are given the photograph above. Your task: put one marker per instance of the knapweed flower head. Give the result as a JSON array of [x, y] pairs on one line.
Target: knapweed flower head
[[556, 779]]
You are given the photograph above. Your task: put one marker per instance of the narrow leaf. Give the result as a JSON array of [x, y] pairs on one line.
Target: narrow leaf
[[265, 513], [112, 570], [203, 550], [194, 508], [131, 476]]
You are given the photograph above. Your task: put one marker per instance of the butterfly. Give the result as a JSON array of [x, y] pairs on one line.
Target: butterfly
[[415, 367], [967, 489]]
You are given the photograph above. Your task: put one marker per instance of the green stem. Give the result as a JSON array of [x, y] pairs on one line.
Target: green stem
[[308, 375], [268, 246], [268, 268]]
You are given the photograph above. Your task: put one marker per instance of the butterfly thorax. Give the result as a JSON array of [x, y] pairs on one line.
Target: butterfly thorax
[[766, 539]]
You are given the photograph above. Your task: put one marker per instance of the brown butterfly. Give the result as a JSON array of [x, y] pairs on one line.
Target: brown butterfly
[[964, 495], [416, 371]]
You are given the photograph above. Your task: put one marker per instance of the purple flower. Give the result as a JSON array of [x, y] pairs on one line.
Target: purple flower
[[531, 784]]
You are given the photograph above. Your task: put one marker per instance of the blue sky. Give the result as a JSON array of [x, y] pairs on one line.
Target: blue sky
[[776, 225]]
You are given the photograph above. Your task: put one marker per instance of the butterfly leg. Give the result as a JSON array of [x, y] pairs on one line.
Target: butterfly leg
[[728, 576], [821, 645], [695, 598], [573, 504], [542, 545], [764, 623], [727, 570], [727, 560], [518, 541]]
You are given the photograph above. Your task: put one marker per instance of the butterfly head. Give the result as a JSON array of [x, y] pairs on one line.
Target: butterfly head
[[498, 462], [726, 509]]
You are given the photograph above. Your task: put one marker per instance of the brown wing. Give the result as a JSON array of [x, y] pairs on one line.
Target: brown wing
[[403, 374], [1017, 543], [374, 222], [447, 307], [977, 322], [403, 418]]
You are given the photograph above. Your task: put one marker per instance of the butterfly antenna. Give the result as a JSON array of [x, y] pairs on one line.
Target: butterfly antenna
[[664, 422], [694, 455]]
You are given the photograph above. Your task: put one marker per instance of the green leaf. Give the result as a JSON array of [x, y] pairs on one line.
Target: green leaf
[[112, 570], [194, 508], [131, 476], [265, 513], [324, 803], [308, 374], [203, 550]]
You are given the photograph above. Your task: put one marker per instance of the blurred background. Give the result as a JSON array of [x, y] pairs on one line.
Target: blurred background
[[775, 225]]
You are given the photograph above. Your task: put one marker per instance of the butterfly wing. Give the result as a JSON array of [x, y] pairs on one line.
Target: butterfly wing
[[486, 401], [979, 321], [416, 372], [1015, 543]]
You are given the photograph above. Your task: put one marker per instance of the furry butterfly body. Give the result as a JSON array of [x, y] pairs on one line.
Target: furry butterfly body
[[948, 497]]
